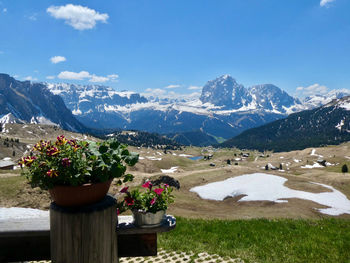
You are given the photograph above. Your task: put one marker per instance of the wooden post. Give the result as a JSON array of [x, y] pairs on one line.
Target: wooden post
[[85, 234]]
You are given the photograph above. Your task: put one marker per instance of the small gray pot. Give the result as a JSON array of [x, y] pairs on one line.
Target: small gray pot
[[148, 219]]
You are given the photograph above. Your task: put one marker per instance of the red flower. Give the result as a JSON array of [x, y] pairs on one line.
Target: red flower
[[125, 189], [27, 161], [118, 211], [153, 200], [61, 140], [129, 201], [66, 162], [166, 185], [158, 191], [52, 173], [72, 142], [148, 184], [52, 151]]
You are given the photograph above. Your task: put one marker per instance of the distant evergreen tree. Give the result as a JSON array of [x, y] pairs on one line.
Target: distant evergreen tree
[[266, 167], [228, 161], [13, 153], [344, 168], [281, 168]]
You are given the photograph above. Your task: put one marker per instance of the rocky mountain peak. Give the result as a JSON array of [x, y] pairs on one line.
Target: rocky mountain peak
[[223, 91], [271, 97]]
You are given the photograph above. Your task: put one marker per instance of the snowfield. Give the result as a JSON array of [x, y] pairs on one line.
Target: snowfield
[[267, 187], [19, 213]]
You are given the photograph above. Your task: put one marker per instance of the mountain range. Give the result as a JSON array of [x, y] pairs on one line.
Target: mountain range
[[224, 108], [325, 125]]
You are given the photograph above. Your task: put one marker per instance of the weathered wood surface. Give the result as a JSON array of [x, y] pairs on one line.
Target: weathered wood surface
[[84, 235], [31, 237], [137, 245]]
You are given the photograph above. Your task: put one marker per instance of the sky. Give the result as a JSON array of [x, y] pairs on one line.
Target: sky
[[176, 46]]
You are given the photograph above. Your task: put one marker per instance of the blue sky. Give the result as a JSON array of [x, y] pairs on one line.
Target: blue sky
[[148, 45]]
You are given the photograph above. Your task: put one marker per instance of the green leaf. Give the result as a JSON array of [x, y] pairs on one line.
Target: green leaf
[[103, 149], [128, 178], [114, 144]]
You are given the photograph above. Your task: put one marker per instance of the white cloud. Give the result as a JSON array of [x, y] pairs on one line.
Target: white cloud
[[113, 77], [172, 86], [50, 77], [30, 78], [326, 2], [77, 16], [312, 90], [194, 88], [74, 75], [57, 59], [83, 75], [4, 10], [95, 78]]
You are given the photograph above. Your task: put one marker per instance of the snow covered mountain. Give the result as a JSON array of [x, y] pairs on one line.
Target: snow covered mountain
[[26, 102], [318, 100], [328, 124], [224, 109], [227, 93]]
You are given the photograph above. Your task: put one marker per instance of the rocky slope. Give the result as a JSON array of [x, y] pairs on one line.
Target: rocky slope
[[23, 101]]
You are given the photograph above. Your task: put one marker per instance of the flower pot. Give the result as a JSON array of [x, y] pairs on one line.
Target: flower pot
[[148, 219], [79, 195]]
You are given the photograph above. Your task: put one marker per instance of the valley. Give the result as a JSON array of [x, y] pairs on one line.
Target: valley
[[301, 169]]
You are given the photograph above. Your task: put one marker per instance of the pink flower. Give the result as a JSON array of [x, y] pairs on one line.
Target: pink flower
[[158, 191], [125, 189], [166, 185], [153, 200], [148, 184], [129, 201]]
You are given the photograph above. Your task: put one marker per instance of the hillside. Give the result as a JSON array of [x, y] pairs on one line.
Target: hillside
[[24, 101], [144, 139], [326, 125], [194, 138]]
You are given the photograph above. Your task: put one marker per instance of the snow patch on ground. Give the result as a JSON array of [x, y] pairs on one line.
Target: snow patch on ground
[[18, 213], [313, 153], [171, 170], [315, 165], [267, 187], [152, 158], [185, 155]]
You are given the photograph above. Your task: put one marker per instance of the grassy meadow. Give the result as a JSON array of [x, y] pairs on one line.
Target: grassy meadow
[[263, 240]]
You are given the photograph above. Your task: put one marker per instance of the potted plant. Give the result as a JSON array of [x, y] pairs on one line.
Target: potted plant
[[148, 206], [77, 172]]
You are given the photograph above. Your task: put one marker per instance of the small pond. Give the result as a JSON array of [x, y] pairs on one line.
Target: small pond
[[195, 158]]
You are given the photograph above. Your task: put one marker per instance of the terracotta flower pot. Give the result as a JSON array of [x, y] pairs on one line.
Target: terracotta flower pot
[[79, 195]]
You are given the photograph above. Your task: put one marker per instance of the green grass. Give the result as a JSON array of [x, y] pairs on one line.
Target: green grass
[[337, 169], [10, 186], [264, 241]]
